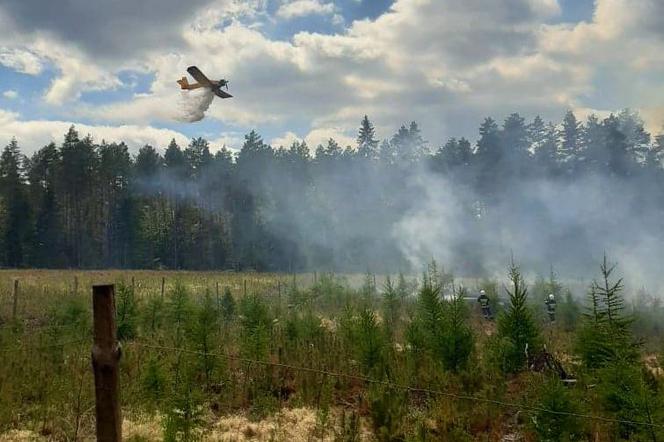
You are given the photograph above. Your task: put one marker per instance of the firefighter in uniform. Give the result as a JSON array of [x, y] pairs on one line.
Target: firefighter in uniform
[[483, 299], [551, 307]]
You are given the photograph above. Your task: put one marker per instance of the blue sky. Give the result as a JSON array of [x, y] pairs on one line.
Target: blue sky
[[310, 69]]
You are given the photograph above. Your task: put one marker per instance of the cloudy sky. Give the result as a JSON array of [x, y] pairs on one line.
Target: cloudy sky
[[310, 69]]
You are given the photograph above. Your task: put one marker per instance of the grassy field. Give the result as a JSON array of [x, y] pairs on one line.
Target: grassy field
[[250, 356]]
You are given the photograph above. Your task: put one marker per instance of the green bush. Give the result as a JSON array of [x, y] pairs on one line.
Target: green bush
[[626, 396], [387, 408], [153, 381], [228, 307], [127, 312], [554, 396], [256, 324]]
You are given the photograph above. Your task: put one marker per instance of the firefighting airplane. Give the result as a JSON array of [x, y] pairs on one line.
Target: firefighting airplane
[[203, 81]]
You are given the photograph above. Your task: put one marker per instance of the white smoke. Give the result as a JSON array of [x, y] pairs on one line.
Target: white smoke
[[544, 223], [193, 104]]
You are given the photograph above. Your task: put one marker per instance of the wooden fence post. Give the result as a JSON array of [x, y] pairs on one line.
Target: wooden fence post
[[245, 287], [105, 360], [75, 286], [163, 285], [15, 300]]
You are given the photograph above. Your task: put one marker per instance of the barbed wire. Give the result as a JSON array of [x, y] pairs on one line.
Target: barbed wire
[[390, 384], [23, 348], [23, 326]]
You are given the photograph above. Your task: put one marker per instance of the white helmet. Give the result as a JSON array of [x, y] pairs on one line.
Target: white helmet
[[482, 292], [551, 296]]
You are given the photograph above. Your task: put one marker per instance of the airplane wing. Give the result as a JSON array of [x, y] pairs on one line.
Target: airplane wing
[[199, 76], [222, 94]]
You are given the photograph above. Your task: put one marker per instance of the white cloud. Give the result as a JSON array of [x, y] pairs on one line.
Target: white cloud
[[10, 94], [33, 134], [21, 60], [322, 134], [315, 137], [232, 140], [78, 73], [302, 8], [286, 140], [444, 63]]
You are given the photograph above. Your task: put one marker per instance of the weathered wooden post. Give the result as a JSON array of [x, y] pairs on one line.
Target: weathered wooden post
[[105, 361], [163, 286], [75, 286], [133, 286], [15, 300], [245, 287]]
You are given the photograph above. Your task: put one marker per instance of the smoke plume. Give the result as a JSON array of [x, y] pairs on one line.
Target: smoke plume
[[193, 104]]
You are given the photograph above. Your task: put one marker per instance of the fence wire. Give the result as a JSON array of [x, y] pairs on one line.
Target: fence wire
[[407, 388], [24, 348]]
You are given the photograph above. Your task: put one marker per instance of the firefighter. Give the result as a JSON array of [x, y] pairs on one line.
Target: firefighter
[[483, 299], [551, 307]]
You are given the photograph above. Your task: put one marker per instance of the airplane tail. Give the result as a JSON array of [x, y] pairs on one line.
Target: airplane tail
[[184, 84]]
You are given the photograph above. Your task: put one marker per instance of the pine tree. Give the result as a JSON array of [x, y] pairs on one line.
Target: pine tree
[[42, 175], [458, 340], [545, 145], [407, 143], [515, 141], [488, 155], [655, 154], [117, 216], [148, 163], [387, 153], [204, 334], [637, 138], [619, 159], [425, 331], [391, 307], [454, 154], [228, 306], [198, 157], [370, 344], [366, 139], [569, 152], [16, 208], [77, 186], [594, 155], [605, 336], [536, 133], [517, 325]]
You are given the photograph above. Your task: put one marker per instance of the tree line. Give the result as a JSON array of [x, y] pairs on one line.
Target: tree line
[[89, 205]]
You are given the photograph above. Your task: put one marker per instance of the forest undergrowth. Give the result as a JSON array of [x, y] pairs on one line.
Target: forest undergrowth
[[240, 356]]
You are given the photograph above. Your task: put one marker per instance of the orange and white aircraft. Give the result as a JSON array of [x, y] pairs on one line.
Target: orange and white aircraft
[[203, 81]]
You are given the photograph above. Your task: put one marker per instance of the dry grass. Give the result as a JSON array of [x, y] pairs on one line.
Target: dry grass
[[292, 425], [52, 284]]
